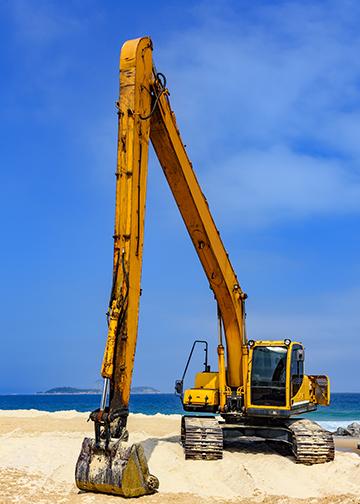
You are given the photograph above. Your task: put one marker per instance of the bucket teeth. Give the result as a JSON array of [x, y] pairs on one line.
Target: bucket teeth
[[114, 470]]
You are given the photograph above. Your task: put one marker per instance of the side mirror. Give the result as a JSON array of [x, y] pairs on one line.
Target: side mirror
[[179, 385], [300, 355]]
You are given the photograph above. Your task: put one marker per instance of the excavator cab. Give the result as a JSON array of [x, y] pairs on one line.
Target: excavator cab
[[268, 376], [277, 384]]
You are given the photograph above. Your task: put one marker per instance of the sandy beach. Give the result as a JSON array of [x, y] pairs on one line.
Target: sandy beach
[[38, 452]]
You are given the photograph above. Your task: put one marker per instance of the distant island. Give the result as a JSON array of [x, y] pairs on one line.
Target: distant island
[[69, 390], [78, 391], [144, 390]]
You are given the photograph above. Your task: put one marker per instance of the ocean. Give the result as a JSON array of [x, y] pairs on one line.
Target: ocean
[[344, 408]]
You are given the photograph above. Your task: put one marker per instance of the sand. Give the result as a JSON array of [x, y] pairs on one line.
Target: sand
[[38, 452]]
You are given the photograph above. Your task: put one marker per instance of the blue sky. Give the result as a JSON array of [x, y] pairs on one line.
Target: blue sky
[[267, 98]]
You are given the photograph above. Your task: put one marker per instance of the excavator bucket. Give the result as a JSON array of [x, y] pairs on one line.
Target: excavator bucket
[[114, 469]]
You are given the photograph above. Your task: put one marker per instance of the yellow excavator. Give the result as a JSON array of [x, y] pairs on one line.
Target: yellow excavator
[[258, 386]]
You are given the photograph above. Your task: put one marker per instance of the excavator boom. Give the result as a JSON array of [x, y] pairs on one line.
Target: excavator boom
[[194, 209]]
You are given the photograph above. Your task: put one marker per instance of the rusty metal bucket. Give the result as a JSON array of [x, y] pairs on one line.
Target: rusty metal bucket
[[114, 469]]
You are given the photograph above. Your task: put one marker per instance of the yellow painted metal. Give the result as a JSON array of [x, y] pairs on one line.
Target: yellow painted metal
[[248, 387], [201, 397], [288, 377], [131, 173], [107, 369], [222, 377], [208, 380], [102, 468], [205, 391], [114, 470], [314, 389], [320, 389], [137, 82], [192, 204], [303, 392]]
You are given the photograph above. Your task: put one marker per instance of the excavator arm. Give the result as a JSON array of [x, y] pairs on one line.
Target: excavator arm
[[204, 235], [145, 111], [131, 174]]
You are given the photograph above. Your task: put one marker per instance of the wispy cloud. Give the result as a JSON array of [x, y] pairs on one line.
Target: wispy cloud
[[45, 40], [267, 99], [325, 324], [270, 105], [271, 185], [40, 23]]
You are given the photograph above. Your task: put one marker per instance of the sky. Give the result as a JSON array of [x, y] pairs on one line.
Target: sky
[[267, 98]]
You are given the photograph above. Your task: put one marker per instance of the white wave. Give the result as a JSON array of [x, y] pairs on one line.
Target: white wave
[[332, 425], [37, 413]]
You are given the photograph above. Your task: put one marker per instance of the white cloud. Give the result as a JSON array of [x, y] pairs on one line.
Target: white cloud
[[45, 40], [40, 24], [269, 105], [261, 187], [325, 324]]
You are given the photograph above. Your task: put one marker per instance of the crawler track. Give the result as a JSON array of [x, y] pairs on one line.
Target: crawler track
[[202, 438], [311, 444]]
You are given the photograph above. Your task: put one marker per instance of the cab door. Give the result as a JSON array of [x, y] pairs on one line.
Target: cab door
[[268, 376]]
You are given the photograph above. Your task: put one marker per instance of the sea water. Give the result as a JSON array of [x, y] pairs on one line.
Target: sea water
[[344, 408]]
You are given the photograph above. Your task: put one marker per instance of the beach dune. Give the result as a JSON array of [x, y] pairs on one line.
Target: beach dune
[[38, 452]]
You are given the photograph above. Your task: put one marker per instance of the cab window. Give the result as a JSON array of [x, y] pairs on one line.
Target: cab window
[[268, 376], [297, 369]]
